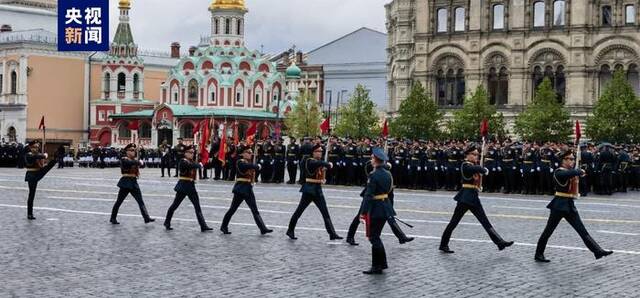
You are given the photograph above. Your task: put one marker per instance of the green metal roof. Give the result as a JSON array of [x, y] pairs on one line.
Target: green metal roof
[[191, 111], [136, 114]]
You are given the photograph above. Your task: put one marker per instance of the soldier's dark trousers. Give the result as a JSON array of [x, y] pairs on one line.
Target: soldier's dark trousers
[[353, 228], [122, 194], [32, 194], [195, 200], [251, 202], [574, 220], [292, 169], [478, 212], [378, 254], [320, 202], [168, 170]]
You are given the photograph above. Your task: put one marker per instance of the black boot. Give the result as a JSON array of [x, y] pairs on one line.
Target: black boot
[[225, 230], [263, 228], [167, 225], [331, 230], [598, 252], [373, 271], [351, 241], [113, 221], [291, 235], [402, 237], [206, 229], [445, 249], [501, 243], [540, 258], [149, 219], [31, 217]]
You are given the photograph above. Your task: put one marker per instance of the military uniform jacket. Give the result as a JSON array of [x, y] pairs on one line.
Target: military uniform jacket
[[293, 152], [309, 167], [245, 170], [34, 161], [562, 183], [380, 183], [469, 196], [187, 170], [130, 173]]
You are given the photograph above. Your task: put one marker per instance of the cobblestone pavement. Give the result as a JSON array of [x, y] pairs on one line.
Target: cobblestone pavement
[[72, 250]]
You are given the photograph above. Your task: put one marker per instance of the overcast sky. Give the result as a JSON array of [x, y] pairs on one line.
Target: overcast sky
[[276, 24]]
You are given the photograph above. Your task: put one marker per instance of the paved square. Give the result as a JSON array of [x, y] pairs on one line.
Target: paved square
[[72, 250]]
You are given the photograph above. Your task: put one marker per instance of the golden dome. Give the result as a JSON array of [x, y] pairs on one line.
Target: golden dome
[[124, 4], [227, 4]]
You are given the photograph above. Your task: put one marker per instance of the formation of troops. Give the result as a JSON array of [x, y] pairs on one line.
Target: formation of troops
[[453, 166]]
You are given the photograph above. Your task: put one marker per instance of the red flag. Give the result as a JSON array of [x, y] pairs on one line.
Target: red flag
[[223, 146], [265, 131], [133, 125], [325, 126], [385, 128], [578, 132], [484, 128], [42, 127], [196, 128], [251, 132], [204, 152]]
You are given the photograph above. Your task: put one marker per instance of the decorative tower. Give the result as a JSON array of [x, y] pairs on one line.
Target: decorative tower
[[227, 22], [293, 73], [122, 70]]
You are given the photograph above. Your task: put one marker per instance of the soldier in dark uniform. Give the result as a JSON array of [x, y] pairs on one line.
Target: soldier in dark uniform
[[60, 153], [606, 161], [624, 168], [36, 170], [334, 157], [267, 161], [468, 200], [491, 163], [376, 209], [179, 155], [398, 158], [243, 191], [166, 158], [547, 166], [563, 206], [414, 166], [529, 165], [635, 169], [186, 187], [293, 156], [128, 184], [587, 165], [350, 161], [313, 170], [229, 173], [364, 158], [279, 161]]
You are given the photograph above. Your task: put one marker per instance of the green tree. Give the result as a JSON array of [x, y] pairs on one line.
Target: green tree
[[358, 118], [418, 116], [305, 118], [466, 121], [616, 115], [545, 119]]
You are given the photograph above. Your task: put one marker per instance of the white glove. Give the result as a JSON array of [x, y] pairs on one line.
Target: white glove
[[259, 167], [556, 164], [408, 167], [200, 164], [354, 164], [515, 168], [493, 169], [389, 165], [262, 161], [436, 168], [272, 162], [46, 155], [486, 171], [419, 168], [550, 170], [532, 171], [397, 162], [295, 162], [538, 168], [141, 163], [499, 169], [330, 165], [521, 172]]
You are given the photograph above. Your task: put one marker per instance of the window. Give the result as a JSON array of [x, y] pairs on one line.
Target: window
[[1, 83], [557, 78], [136, 83], [538, 14], [630, 12], [107, 83], [450, 87], [186, 131], [498, 17], [174, 92], [145, 131], [498, 83], [193, 90], [442, 20], [460, 19], [558, 13], [124, 130], [101, 116], [239, 95], [212, 94], [216, 26], [121, 82], [239, 27], [634, 78], [606, 16], [276, 93], [227, 26], [258, 99], [14, 82]]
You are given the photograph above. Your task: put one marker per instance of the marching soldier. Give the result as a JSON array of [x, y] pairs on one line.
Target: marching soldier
[[293, 156], [243, 191], [314, 172], [376, 209], [36, 170], [563, 206], [468, 200], [128, 184], [186, 187]]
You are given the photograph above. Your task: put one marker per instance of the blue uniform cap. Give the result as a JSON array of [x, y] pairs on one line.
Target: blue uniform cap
[[379, 154]]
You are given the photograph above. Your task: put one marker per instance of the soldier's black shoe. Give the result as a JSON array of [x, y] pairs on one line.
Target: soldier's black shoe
[[335, 237], [504, 245], [149, 219], [113, 221], [351, 241], [445, 249], [406, 239], [225, 230], [266, 231], [291, 235], [602, 253], [206, 229], [540, 258], [30, 217], [168, 226], [373, 271]]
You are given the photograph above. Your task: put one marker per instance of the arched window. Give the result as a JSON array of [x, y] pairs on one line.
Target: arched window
[[633, 78], [276, 93], [227, 26], [14, 82], [239, 27], [107, 83], [186, 131], [560, 84], [124, 130], [607, 18], [122, 81], [216, 26], [136, 83], [174, 94], [538, 14], [604, 77], [11, 132], [193, 91], [212, 94], [145, 130], [558, 13], [450, 81], [239, 95], [630, 14], [498, 17], [460, 19], [556, 77], [442, 20], [258, 99], [498, 82]]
